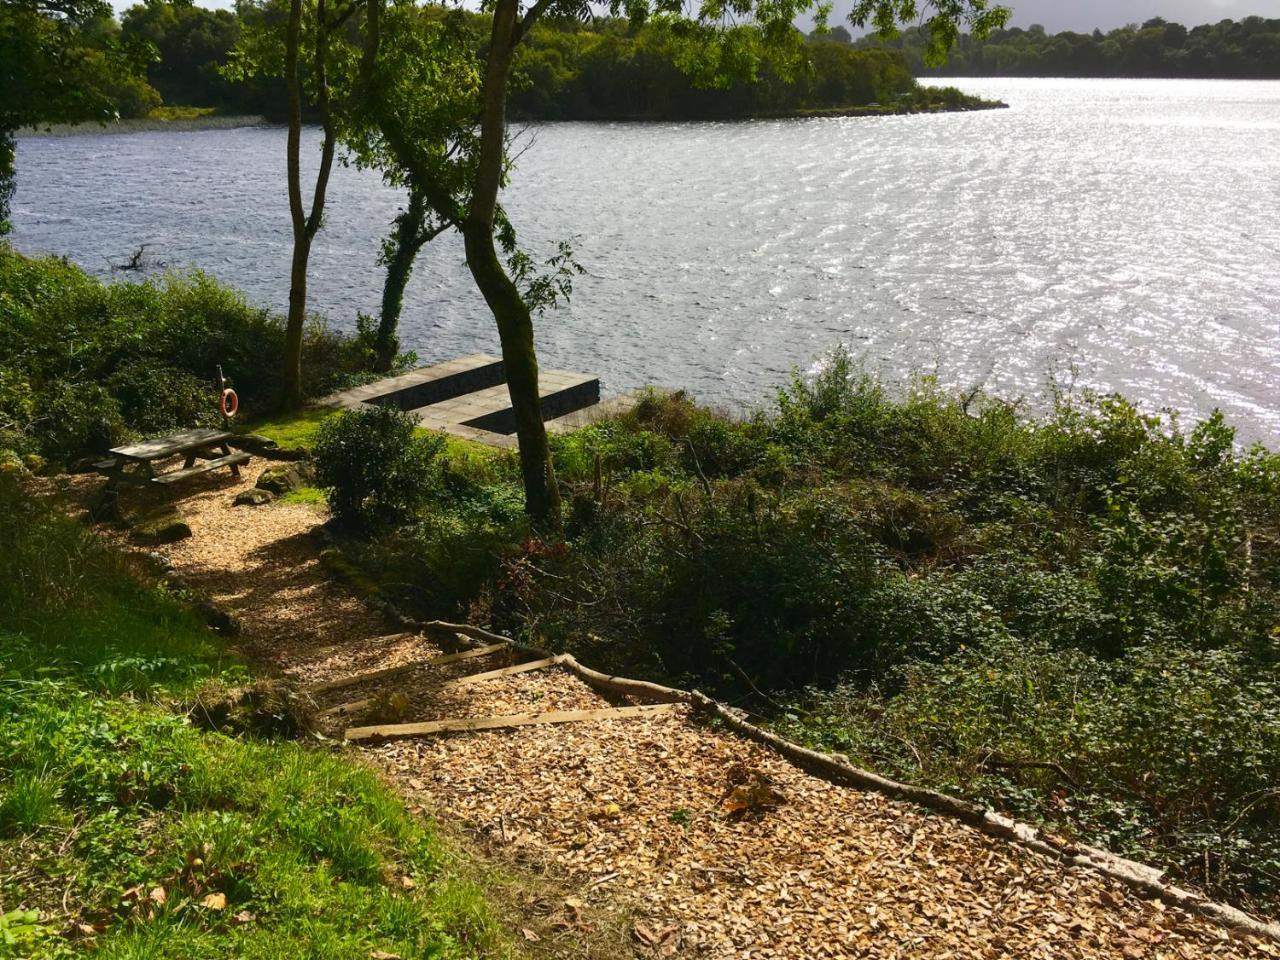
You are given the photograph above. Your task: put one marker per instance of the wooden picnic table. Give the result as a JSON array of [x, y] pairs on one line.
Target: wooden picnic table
[[200, 443]]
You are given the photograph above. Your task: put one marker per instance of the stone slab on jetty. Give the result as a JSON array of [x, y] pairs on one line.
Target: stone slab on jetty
[[467, 397]]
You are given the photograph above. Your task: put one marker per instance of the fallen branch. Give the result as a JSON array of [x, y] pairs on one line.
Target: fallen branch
[[995, 760], [839, 769]]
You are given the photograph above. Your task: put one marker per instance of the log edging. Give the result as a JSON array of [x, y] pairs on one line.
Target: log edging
[[838, 769]]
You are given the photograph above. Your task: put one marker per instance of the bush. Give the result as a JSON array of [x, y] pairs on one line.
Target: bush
[[375, 466], [89, 363], [955, 581]]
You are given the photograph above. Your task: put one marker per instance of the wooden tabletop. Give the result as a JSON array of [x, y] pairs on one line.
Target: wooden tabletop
[[174, 443]]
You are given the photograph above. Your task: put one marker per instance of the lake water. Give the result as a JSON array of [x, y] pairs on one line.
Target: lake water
[[1122, 233]]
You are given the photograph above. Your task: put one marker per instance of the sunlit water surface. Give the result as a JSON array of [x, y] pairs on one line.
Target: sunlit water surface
[[1124, 233]]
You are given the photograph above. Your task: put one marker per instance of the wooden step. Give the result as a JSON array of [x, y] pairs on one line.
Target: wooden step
[[339, 682], [230, 460], [353, 706], [468, 724], [347, 646], [503, 672]]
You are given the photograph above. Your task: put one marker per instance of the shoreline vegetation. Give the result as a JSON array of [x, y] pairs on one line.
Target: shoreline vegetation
[[1246, 49], [567, 70], [148, 124], [211, 121], [1070, 617]]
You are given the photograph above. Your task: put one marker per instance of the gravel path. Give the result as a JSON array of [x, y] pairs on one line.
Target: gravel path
[[640, 813]]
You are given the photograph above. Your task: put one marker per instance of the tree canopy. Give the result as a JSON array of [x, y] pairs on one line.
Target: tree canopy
[[1229, 49], [61, 61]]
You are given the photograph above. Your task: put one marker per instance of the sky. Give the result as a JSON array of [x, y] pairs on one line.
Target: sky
[[1081, 15]]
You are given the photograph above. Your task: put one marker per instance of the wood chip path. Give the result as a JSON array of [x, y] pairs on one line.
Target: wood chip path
[[632, 810]]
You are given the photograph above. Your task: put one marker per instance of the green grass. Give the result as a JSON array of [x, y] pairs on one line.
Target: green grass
[[311, 496], [133, 834], [180, 113], [292, 429], [299, 430]]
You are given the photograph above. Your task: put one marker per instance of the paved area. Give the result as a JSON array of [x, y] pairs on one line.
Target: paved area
[[467, 397]]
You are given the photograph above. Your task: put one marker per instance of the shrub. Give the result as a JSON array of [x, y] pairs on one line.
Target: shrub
[[375, 466], [88, 362], [959, 583]]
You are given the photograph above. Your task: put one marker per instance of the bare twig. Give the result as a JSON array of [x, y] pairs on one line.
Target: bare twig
[[995, 760]]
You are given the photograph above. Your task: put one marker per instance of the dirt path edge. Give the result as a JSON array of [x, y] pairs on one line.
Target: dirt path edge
[[838, 769]]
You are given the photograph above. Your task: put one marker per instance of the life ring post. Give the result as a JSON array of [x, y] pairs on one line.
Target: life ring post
[[228, 402]]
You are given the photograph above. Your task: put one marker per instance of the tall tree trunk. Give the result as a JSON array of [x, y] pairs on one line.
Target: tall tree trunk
[[304, 226], [8, 155], [515, 324], [407, 240]]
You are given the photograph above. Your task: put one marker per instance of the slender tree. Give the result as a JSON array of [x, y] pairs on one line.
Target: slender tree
[[305, 226], [723, 42], [414, 120], [305, 52]]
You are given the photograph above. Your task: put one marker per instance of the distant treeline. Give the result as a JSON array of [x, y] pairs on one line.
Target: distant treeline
[[1230, 49], [597, 71], [606, 71]]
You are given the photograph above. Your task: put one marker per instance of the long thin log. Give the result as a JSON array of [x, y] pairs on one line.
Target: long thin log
[[351, 706], [340, 682], [470, 724], [838, 769], [622, 685], [476, 633], [318, 653], [501, 672]]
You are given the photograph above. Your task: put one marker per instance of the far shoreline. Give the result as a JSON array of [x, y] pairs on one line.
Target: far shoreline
[[236, 122], [145, 125]]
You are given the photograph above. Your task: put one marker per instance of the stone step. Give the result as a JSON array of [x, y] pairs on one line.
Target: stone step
[[489, 410]]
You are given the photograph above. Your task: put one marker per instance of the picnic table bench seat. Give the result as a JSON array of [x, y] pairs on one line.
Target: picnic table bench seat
[[197, 444], [174, 476]]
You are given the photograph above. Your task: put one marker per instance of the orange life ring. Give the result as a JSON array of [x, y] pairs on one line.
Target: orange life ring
[[228, 403]]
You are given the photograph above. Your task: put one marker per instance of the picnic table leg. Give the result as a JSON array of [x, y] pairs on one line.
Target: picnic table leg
[[235, 467], [110, 503]]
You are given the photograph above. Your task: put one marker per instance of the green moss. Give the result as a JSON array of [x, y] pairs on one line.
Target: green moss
[[159, 526], [310, 496], [292, 430]]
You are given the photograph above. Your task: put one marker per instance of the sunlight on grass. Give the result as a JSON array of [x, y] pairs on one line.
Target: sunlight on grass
[[310, 496], [165, 840], [292, 429]]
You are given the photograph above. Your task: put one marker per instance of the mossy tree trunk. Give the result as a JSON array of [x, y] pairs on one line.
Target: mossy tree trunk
[[412, 232], [8, 156], [515, 323], [403, 248]]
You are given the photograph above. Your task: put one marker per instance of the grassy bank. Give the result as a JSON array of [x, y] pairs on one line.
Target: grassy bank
[[1075, 618], [129, 831]]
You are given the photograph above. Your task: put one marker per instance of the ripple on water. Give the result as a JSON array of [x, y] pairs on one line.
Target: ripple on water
[[1123, 228]]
